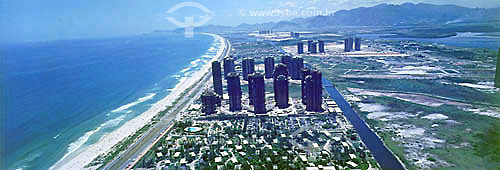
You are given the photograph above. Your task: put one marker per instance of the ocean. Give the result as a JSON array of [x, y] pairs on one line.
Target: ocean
[[61, 96]]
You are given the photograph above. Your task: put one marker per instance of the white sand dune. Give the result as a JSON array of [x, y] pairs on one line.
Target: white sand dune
[[435, 116]]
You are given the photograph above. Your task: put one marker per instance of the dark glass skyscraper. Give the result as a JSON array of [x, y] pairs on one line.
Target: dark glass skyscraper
[[304, 72], [228, 66], [357, 44], [217, 77], [321, 46], [308, 93], [209, 102], [234, 91], [259, 95], [280, 69], [317, 91], [295, 67], [280, 84], [269, 66], [497, 74], [348, 44], [313, 92], [281, 92], [287, 60], [251, 94], [314, 48], [309, 45], [300, 48], [248, 67]]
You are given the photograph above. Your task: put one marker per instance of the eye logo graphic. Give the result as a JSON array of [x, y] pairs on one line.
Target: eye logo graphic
[[189, 23]]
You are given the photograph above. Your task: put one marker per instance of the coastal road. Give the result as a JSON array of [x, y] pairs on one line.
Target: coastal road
[[147, 140]]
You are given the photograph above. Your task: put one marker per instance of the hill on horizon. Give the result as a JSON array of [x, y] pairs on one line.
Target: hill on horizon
[[407, 14]]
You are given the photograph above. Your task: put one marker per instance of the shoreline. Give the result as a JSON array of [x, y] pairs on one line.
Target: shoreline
[[107, 141]]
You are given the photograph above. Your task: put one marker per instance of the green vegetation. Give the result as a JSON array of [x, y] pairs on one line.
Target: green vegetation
[[453, 134], [464, 139], [395, 148], [489, 142], [213, 150]]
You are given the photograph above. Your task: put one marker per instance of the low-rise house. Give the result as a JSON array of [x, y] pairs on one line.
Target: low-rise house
[[354, 165], [159, 155], [218, 159]]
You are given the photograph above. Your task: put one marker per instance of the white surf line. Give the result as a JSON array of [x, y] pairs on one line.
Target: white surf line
[[107, 141], [216, 57], [138, 101]]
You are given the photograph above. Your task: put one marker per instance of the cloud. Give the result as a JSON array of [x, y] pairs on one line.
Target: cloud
[[337, 1], [290, 4], [311, 8]]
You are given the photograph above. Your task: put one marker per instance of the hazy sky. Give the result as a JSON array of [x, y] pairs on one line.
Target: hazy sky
[[36, 20]]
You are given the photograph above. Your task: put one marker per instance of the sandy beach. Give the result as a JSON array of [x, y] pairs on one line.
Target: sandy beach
[[84, 156]]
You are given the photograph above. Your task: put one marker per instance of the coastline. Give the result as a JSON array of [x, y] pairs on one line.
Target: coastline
[[105, 144]]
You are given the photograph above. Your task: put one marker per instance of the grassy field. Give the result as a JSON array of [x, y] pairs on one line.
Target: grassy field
[[471, 140], [455, 135]]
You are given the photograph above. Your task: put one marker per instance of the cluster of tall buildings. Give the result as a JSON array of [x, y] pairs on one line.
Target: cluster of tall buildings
[[349, 42], [313, 47], [289, 67]]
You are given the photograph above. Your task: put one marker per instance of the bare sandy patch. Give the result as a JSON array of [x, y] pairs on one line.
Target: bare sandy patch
[[435, 116]]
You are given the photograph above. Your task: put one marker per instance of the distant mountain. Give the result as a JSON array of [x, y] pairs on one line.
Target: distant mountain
[[404, 14], [286, 25], [407, 14]]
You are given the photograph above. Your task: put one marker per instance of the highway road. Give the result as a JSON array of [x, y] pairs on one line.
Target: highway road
[[132, 155]]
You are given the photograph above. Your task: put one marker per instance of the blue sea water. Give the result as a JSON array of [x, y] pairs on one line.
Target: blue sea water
[[60, 96]]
